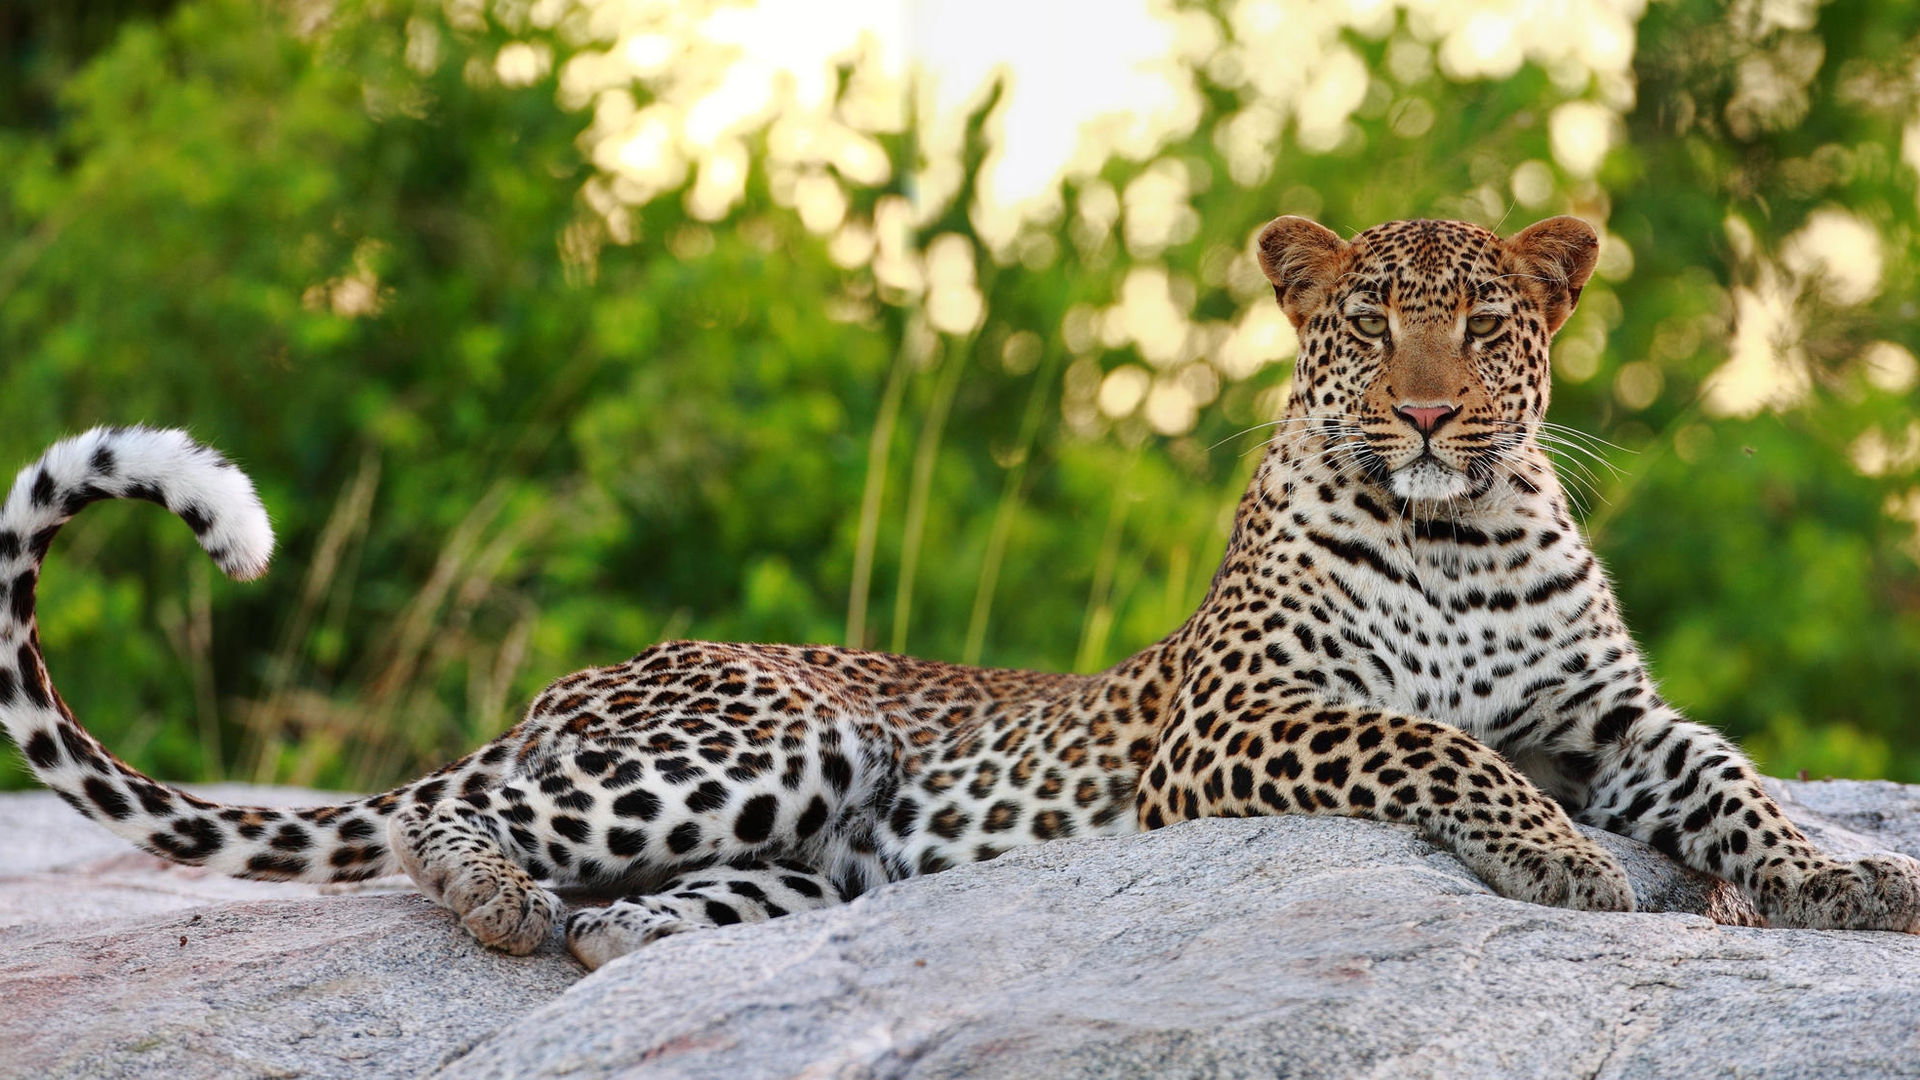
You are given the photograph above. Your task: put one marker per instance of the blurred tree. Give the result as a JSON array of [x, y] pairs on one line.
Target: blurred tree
[[44, 44], [1765, 540], [522, 401]]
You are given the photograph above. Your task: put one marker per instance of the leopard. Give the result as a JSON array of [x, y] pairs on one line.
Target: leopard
[[1406, 626]]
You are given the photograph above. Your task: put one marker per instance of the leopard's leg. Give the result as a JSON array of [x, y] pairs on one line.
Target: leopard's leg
[[454, 853], [1388, 767], [745, 891], [1687, 791]]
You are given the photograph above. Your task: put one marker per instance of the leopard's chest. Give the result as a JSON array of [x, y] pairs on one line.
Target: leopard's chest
[[1449, 634], [1465, 667]]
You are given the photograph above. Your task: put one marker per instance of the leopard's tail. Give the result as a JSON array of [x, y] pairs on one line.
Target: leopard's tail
[[346, 842]]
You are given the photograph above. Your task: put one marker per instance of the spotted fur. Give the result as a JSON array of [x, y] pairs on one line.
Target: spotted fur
[[1406, 626]]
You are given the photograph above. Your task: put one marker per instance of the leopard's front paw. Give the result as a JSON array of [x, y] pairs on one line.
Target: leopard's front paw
[[1582, 876], [1879, 892]]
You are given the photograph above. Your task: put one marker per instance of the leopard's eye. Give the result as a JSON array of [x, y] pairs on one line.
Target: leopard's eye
[[1482, 325], [1370, 325]]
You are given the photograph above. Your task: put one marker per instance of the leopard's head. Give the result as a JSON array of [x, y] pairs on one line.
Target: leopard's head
[[1423, 344]]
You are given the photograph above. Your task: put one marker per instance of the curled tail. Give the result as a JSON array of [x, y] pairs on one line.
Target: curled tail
[[330, 843]]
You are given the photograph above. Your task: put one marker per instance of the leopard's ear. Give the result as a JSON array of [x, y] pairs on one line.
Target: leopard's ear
[[1302, 259], [1558, 254]]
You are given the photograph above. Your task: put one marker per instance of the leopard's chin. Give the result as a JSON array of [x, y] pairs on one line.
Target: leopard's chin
[[1426, 480]]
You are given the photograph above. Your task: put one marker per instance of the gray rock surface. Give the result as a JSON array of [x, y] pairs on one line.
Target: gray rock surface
[[1276, 947], [115, 963]]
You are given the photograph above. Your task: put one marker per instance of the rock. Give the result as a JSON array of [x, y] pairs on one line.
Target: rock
[[1854, 817], [113, 962], [1281, 946]]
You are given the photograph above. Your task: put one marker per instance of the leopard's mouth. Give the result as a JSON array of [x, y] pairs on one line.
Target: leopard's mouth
[[1427, 478]]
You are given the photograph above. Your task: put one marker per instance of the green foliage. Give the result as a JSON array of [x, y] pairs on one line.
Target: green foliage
[[500, 443]]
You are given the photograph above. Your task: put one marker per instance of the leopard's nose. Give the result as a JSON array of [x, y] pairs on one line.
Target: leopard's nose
[[1426, 419]]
